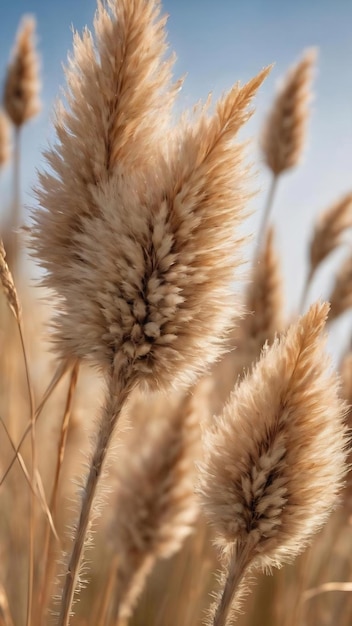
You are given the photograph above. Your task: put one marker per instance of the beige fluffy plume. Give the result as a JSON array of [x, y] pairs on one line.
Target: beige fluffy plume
[[264, 298], [275, 463], [141, 258], [155, 501], [285, 130], [21, 93]]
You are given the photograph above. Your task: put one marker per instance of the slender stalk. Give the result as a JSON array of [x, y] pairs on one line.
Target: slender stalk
[[119, 389], [53, 384], [239, 562], [47, 570], [5, 613], [16, 206], [305, 291], [33, 472], [267, 210], [109, 587]]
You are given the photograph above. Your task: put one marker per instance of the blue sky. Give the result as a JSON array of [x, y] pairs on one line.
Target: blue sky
[[217, 43]]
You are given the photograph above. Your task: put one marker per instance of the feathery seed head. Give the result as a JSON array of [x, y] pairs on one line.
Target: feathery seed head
[[21, 93], [276, 461], [264, 298], [329, 228], [140, 254], [285, 129]]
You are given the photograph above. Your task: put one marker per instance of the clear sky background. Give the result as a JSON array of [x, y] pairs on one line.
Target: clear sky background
[[218, 42]]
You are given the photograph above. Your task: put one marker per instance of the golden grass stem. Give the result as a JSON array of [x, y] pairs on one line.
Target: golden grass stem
[[325, 587], [16, 207], [11, 294], [267, 210], [18, 455], [64, 431], [104, 605], [60, 372], [33, 474], [48, 566], [5, 613], [238, 564], [118, 392]]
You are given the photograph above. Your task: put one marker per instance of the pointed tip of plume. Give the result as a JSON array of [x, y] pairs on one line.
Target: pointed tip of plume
[[276, 462], [284, 132], [22, 85], [141, 252]]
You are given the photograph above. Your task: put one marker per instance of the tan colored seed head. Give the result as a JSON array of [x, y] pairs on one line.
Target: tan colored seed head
[[142, 258], [276, 461], [263, 298], [22, 85], [285, 130]]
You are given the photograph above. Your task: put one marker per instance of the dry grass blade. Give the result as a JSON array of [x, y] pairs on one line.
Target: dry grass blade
[[49, 565], [326, 587], [22, 84], [280, 418], [328, 230], [155, 503], [341, 294], [285, 130], [264, 298], [60, 372], [35, 485], [18, 456]]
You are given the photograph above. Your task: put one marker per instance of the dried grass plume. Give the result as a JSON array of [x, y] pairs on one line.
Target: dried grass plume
[[22, 85], [276, 461], [286, 126], [142, 259], [264, 298]]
